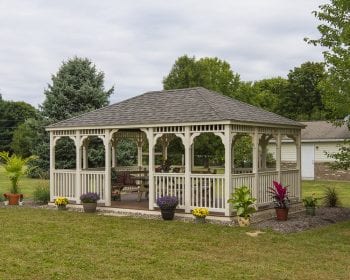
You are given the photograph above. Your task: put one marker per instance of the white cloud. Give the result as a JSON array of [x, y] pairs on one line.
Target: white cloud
[[136, 42]]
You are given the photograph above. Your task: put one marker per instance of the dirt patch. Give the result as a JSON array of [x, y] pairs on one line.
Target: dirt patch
[[300, 221]]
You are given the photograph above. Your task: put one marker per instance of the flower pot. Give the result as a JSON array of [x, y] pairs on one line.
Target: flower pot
[[199, 220], [311, 210], [89, 207], [282, 214], [61, 207], [243, 222], [13, 198], [167, 214]]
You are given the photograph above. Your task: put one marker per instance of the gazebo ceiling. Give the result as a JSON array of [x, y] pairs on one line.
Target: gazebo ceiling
[[189, 105]]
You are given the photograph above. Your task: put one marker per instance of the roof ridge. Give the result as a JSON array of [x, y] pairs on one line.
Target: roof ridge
[[200, 93]]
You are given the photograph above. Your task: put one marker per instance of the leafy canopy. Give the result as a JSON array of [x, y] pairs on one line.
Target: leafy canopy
[[335, 37]]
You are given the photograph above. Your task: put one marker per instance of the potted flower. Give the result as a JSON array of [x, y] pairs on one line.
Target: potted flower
[[244, 204], [15, 168], [281, 201], [200, 213], [61, 203], [310, 204], [167, 205], [89, 201]]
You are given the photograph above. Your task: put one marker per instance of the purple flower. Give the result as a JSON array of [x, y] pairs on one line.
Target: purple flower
[[90, 197], [167, 202]]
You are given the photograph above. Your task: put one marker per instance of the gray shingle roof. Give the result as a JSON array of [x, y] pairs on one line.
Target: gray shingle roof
[[322, 130], [173, 107]]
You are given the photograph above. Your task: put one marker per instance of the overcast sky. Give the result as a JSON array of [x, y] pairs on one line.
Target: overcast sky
[[135, 43]]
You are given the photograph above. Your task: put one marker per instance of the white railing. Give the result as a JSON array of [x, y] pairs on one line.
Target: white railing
[[265, 180], [172, 184], [129, 168], [239, 180], [291, 179], [64, 183], [208, 190], [93, 181]]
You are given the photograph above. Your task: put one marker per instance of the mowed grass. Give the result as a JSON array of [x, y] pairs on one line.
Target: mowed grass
[[49, 244], [318, 187], [26, 185]]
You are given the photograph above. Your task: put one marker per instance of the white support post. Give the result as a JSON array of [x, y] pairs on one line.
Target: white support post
[[187, 144], [113, 155], [139, 155], [85, 154], [256, 163], [78, 167], [192, 156], [298, 148], [52, 165], [151, 169], [228, 168], [278, 155], [107, 143]]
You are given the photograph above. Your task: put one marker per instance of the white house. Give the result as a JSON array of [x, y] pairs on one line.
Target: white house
[[319, 138]]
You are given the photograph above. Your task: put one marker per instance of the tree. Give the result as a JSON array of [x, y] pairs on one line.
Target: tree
[[303, 100], [12, 114], [211, 73], [76, 88], [335, 37], [269, 94]]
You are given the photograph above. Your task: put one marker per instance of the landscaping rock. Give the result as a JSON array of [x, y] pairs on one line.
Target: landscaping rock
[[300, 221]]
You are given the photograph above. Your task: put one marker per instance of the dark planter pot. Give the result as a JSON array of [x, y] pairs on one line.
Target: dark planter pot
[[200, 220], [89, 207], [282, 214], [62, 207], [167, 214], [311, 211], [13, 198]]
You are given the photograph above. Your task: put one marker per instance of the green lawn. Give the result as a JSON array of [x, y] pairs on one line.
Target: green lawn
[[27, 185], [50, 244], [317, 187]]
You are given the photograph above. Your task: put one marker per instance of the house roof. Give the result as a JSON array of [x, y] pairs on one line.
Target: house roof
[[323, 130], [188, 105]]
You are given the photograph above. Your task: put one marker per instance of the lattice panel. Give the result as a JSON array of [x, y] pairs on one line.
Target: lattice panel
[[92, 132], [64, 132], [169, 129], [242, 128], [208, 128]]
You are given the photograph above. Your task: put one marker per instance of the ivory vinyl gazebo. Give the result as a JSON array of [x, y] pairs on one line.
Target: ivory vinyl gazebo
[[184, 113]]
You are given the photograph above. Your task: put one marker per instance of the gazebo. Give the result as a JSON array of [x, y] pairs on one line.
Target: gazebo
[[184, 113]]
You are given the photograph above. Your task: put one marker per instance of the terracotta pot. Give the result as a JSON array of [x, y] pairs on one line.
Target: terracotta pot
[[243, 222], [167, 214], [13, 198], [282, 214], [89, 207]]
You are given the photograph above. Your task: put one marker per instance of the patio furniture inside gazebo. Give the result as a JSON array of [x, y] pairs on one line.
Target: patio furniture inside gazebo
[[161, 116]]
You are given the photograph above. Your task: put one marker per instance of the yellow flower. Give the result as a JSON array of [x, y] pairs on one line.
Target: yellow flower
[[200, 212], [61, 201]]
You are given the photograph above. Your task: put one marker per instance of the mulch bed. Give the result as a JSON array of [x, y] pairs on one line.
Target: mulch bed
[[300, 221]]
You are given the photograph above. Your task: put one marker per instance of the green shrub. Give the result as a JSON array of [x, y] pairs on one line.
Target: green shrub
[[331, 197], [41, 193], [243, 202]]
